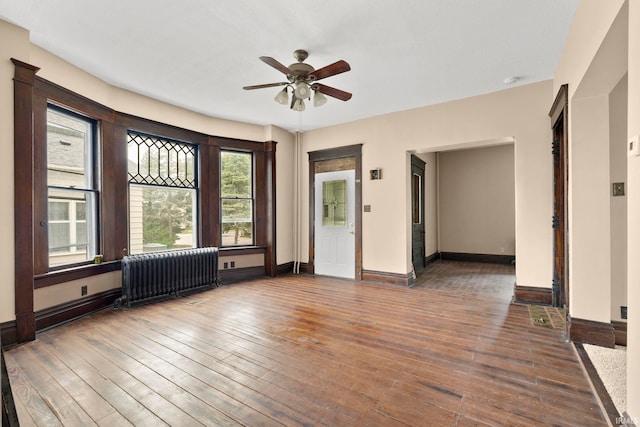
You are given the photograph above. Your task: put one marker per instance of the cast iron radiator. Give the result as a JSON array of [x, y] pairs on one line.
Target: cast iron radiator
[[155, 274]]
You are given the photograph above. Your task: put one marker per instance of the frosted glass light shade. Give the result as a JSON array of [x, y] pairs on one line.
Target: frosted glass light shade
[[299, 105], [319, 99], [282, 97], [302, 91]]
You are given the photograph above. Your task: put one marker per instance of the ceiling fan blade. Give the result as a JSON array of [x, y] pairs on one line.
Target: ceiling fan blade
[[330, 70], [275, 64], [265, 85], [333, 92]]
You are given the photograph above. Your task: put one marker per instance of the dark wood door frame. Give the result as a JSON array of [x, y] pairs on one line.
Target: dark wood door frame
[[417, 228], [354, 151], [560, 221]]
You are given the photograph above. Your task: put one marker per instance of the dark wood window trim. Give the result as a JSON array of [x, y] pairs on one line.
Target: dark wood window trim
[[32, 94], [354, 151]]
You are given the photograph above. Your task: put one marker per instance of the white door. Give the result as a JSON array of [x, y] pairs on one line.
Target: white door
[[335, 240]]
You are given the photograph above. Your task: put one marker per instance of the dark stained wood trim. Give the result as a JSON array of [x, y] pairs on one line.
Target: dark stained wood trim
[[209, 214], [305, 267], [329, 154], [591, 332], [264, 194], [559, 103], [71, 310], [66, 98], [620, 331], [40, 191], [559, 116], [115, 193], [233, 275], [432, 258], [388, 278], [286, 268], [493, 259], [23, 155], [532, 295], [147, 126], [8, 332], [75, 273], [7, 404], [592, 373], [270, 208]]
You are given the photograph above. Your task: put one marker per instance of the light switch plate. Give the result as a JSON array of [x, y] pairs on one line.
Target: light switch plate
[[633, 147]]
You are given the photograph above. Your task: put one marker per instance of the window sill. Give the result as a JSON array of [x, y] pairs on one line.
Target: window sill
[[74, 273]]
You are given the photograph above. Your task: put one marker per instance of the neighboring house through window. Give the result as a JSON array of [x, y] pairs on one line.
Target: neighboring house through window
[[72, 187]]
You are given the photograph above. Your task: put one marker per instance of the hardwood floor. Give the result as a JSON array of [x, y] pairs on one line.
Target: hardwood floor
[[307, 351]]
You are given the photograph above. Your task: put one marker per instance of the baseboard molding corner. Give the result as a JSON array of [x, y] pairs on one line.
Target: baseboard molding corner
[[387, 278], [591, 332], [532, 295], [620, 330]]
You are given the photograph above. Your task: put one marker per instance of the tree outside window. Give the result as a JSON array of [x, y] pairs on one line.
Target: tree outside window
[[236, 189], [162, 194]]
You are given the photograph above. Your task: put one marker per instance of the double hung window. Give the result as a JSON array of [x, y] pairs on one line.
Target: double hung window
[[72, 187], [237, 200]]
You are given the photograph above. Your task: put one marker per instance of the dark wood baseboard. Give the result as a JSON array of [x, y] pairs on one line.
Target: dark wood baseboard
[[7, 405], [283, 269], [488, 258], [71, 310], [591, 332], [232, 275], [531, 295], [8, 333], [620, 331], [388, 278], [609, 408], [432, 258]]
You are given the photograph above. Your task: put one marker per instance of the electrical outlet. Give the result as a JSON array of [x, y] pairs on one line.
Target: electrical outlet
[[83, 290], [623, 311]]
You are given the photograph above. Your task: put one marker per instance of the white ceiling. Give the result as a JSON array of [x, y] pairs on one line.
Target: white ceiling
[[198, 54]]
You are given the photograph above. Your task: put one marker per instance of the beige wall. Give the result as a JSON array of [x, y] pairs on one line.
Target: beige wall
[[519, 114], [15, 44], [618, 204], [477, 201], [604, 45], [633, 200]]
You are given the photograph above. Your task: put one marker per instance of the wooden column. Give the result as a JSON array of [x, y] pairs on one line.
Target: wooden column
[[23, 153]]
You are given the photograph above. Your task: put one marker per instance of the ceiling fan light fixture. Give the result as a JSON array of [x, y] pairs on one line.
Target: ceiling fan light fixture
[[319, 99], [282, 97], [302, 90], [298, 105]]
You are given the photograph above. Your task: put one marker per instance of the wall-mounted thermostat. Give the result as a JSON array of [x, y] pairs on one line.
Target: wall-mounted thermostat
[[633, 147]]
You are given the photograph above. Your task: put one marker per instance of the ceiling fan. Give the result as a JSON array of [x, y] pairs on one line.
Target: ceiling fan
[[302, 79]]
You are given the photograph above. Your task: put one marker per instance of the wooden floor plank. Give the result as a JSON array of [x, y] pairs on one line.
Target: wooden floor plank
[[306, 350]]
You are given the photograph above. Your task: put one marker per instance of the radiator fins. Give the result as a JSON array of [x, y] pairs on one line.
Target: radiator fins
[[156, 274]]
